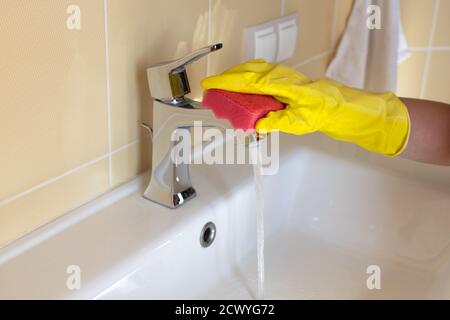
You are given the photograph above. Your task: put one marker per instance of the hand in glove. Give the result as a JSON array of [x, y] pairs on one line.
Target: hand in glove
[[378, 122]]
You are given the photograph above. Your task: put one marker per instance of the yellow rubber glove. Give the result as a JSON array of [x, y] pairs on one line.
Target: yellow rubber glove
[[378, 122]]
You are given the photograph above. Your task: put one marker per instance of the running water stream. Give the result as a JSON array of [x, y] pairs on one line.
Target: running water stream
[[259, 205]]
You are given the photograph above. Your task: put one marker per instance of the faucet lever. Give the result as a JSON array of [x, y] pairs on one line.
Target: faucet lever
[[168, 81], [194, 56], [170, 183]]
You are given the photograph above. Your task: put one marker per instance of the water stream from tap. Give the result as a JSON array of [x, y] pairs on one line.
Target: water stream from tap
[[259, 204]]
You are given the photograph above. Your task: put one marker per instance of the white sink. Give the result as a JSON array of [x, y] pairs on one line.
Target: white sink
[[331, 212]]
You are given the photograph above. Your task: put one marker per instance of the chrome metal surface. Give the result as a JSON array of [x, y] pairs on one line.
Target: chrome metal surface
[[170, 183], [168, 81], [208, 235]]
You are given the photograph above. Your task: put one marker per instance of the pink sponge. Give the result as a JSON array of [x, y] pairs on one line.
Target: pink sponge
[[241, 109]]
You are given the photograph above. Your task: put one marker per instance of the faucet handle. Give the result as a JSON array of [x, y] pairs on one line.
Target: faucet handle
[[194, 56], [168, 81]]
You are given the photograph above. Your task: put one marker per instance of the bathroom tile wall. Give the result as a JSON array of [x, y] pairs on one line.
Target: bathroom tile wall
[[426, 74], [53, 112], [72, 100]]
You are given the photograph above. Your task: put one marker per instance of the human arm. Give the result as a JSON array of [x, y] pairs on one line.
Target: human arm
[[378, 122], [429, 138]]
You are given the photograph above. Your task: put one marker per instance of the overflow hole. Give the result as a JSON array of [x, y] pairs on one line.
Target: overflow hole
[[208, 235]]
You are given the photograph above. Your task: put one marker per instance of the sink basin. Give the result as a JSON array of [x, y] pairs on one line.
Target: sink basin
[[332, 213]]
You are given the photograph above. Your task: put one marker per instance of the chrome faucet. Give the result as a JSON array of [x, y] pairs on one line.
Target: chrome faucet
[[170, 183]]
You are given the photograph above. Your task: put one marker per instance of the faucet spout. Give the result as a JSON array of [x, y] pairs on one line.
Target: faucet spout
[[170, 183]]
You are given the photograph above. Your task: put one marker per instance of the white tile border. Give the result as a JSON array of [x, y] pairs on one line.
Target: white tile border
[[208, 57], [426, 70], [67, 173], [108, 90], [312, 59], [52, 180], [125, 146], [432, 49]]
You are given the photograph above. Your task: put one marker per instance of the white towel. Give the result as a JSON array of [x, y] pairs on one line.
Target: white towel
[[367, 58]]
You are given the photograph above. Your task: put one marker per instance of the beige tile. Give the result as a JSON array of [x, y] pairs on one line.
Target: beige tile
[[316, 19], [410, 74], [52, 105], [344, 8], [417, 16], [439, 77], [229, 19], [442, 32], [316, 69], [142, 33], [131, 161], [31, 211]]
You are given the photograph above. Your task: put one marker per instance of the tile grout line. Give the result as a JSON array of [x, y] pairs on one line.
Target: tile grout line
[[208, 57], [282, 4], [67, 173], [52, 180], [312, 59], [108, 90], [428, 52], [110, 152], [432, 49], [125, 146]]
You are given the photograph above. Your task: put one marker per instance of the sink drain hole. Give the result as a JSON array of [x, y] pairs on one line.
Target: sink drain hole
[[208, 235]]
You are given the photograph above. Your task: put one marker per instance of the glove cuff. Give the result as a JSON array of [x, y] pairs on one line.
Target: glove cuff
[[405, 141]]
